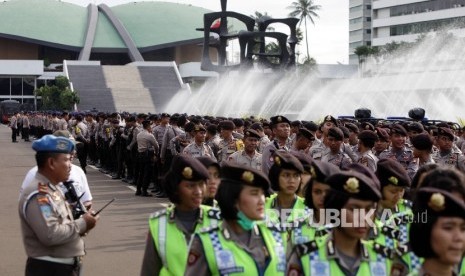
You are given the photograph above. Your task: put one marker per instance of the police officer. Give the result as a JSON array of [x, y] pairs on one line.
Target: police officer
[[228, 144], [383, 141], [343, 251], [249, 156], [422, 145], [198, 147], [241, 243], [281, 128], [335, 155], [52, 238], [170, 230], [147, 148], [303, 140], [366, 141], [399, 151], [445, 154]]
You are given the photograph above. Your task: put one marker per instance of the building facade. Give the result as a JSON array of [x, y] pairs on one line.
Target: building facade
[[359, 26]]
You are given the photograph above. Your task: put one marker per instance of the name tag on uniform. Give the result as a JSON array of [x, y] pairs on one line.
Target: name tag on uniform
[[378, 268], [317, 155], [225, 262], [320, 268]]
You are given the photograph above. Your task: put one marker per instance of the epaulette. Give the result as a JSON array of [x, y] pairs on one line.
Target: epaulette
[[402, 249], [305, 248], [158, 214], [390, 232], [42, 188], [214, 213], [408, 203], [209, 229], [382, 250]]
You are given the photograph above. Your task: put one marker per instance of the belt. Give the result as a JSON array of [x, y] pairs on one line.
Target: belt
[[68, 261]]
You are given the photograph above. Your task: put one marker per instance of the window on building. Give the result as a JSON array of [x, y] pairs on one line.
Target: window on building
[[368, 7], [368, 31], [368, 19]]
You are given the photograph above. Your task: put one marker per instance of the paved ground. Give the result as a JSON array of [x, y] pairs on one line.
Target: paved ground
[[114, 247]]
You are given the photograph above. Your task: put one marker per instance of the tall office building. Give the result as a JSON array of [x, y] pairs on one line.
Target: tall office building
[[359, 26]]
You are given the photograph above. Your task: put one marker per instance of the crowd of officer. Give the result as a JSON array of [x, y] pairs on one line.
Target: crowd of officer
[[270, 183]]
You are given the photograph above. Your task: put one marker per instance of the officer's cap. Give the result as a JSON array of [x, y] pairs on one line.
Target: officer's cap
[[367, 135], [422, 141], [354, 184], [251, 133], [304, 159], [306, 133], [199, 128], [227, 125], [398, 129], [367, 126], [336, 133], [416, 127], [322, 170], [50, 143], [443, 131], [438, 202], [365, 171], [237, 174], [391, 172], [352, 127], [382, 134], [279, 119], [188, 168], [285, 160], [330, 118]]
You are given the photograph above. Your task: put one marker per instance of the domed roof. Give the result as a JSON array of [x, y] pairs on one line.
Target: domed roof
[[59, 24]]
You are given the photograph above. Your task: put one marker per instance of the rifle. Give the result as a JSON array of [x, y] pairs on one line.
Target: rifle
[[71, 196]]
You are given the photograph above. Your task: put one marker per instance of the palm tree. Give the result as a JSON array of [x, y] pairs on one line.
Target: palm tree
[[304, 9]]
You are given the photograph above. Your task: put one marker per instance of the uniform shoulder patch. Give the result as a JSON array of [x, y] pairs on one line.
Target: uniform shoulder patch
[[305, 248], [391, 232], [382, 250], [158, 214], [214, 213]]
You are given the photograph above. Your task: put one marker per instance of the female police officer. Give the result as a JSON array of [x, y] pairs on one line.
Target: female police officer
[[171, 229], [240, 245]]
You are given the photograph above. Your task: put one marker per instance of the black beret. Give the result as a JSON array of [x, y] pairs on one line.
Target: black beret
[[336, 133], [354, 184], [367, 126], [285, 160], [365, 171], [165, 115], [330, 118], [188, 168], [345, 131], [352, 127], [306, 133], [199, 128], [367, 135], [278, 119], [438, 202], [227, 125], [398, 129], [422, 141], [390, 171], [238, 122], [256, 126], [304, 159], [296, 123], [141, 116], [322, 170], [131, 119], [310, 126], [251, 133], [444, 131], [146, 123], [416, 127], [208, 162], [382, 134], [237, 174]]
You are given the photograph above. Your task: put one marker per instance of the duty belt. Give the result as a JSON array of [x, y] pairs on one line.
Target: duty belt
[[67, 261]]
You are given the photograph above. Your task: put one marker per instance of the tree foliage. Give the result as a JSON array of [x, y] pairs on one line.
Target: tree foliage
[[58, 96]]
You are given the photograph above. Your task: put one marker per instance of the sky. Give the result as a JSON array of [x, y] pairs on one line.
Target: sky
[[328, 38]]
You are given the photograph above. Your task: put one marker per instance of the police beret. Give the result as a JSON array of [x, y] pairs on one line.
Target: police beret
[[398, 129], [310, 126], [345, 131], [141, 116], [382, 134], [146, 123], [208, 162], [237, 174], [322, 170], [352, 127], [188, 168], [227, 125], [438, 202], [304, 159], [367, 135], [199, 128], [365, 171], [285, 160], [278, 119], [296, 123], [50, 143], [443, 131], [330, 118], [390, 171], [238, 122], [354, 184], [256, 126], [251, 133], [336, 133], [306, 133], [422, 141], [367, 126], [416, 127], [165, 115]]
